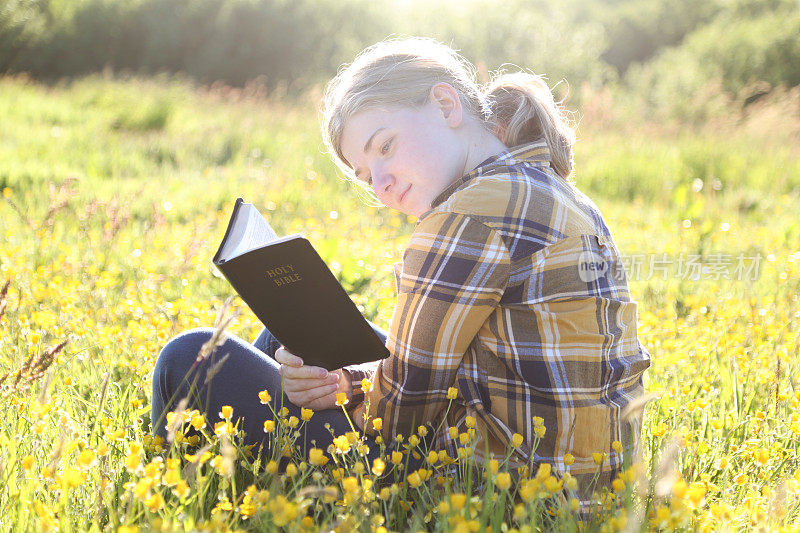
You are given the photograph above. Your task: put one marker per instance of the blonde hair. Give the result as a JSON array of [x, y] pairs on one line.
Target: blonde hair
[[516, 107]]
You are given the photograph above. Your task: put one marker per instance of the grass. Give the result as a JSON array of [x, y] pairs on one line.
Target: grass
[[116, 193]]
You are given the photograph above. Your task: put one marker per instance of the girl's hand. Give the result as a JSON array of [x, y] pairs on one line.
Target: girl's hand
[[309, 386]]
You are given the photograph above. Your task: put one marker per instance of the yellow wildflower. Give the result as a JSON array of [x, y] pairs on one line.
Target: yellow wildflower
[[543, 471], [264, 397], [762, 456], [86, 459], [553, 484], [154, 502], [317, 457], [503, 480], [132, 462], [660, 430], [171, 477], [197, 420], [696, 493], [72, 477], [457, 501], [679, 489], [223, 427], [598, 457], [342, 444]]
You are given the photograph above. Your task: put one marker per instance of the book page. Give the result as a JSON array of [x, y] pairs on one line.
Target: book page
[[249, 231], [257, 231]]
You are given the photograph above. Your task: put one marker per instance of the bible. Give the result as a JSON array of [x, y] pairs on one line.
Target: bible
[[292, 291]]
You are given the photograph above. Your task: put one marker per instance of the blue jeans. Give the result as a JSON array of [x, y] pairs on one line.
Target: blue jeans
[[247, 370]]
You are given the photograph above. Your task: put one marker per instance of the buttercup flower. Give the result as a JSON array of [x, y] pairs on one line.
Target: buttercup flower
[[264, 396]]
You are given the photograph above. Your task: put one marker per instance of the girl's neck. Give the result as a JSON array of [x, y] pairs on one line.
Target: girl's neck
[[481, 144]]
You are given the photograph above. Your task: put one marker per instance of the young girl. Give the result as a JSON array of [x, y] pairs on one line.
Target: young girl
[[510, 291]]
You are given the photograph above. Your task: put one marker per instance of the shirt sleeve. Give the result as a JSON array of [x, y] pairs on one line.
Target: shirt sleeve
[[356, 374], [454, 272]]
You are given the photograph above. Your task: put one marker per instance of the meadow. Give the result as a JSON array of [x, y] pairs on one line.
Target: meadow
[[116, 193]]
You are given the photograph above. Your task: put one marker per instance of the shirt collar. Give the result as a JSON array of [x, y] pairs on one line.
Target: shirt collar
[[536, 153]]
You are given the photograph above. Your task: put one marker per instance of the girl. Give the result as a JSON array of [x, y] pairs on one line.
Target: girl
[[510, 292]]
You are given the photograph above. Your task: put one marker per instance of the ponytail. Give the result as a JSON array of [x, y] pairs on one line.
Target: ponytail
[[523, 110]]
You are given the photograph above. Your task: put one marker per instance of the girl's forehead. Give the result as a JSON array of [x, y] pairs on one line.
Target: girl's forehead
[[367, 117]]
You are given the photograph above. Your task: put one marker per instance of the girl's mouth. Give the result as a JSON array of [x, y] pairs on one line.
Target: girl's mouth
[[403, 196]]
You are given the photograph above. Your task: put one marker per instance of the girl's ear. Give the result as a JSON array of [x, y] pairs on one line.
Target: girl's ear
[[445, 97]]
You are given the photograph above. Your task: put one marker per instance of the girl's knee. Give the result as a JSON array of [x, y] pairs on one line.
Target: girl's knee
[[181, 351]]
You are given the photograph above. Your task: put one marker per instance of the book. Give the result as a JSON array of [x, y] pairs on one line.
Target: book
[[292, 291]]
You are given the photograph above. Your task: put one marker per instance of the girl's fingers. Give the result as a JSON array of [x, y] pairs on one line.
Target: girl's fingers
[[324, 402], [312, 397], [285, 357], [298, 385], [304, 372]]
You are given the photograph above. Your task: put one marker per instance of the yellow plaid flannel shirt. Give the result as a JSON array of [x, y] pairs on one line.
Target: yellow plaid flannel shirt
[[512, 290]]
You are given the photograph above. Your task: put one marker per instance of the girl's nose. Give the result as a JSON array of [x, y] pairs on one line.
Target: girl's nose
[[382, 182]]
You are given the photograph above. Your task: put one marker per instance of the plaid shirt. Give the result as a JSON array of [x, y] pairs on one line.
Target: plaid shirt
[[512, 290]]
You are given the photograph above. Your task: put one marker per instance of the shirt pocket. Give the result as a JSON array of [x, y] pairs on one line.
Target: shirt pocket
[[580, 266]]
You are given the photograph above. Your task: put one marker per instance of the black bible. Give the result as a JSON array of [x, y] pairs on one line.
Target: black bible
[[292, 291]]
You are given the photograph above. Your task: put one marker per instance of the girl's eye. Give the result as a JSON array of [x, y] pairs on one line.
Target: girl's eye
[[385, 146]]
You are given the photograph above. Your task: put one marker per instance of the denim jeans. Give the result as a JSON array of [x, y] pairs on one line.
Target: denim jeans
[[246, 370]]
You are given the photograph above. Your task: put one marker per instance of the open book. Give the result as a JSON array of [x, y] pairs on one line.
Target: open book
[[293, 292]]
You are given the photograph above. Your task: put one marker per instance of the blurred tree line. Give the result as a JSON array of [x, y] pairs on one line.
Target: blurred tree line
[[663, 50]]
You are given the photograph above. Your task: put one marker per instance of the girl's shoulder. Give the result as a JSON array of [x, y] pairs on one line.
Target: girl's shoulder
[[523, 199]]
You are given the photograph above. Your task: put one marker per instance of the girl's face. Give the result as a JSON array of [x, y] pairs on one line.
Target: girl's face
[[408, 156]]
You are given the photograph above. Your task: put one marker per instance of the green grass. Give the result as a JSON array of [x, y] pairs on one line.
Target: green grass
[[117, 192]]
